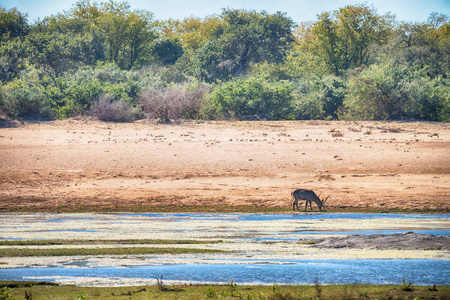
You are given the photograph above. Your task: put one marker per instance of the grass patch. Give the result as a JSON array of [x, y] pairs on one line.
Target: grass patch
[[105, 242], [17, 252], [230, 291]]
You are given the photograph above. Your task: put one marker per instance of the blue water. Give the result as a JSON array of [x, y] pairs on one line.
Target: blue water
[[419, 272], [293, 216]]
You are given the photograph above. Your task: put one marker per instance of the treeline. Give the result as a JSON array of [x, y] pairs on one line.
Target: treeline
[[117, 64]]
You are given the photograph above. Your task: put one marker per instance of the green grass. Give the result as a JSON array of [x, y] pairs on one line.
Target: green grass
[[104, 242], [230, 291], [17, 252]]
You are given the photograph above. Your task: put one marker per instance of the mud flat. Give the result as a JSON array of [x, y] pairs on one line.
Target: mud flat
[[73, 165], [405, 241], [271, 238]]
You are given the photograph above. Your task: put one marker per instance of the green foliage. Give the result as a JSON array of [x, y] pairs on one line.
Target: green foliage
[[59, 51], [393, 91], [251, 97], [430, 98], [13, 252], [425, 45], [350, 63], [246, 36], [167, 51], [344, 37], [19, 101], [13, 59], [12, 24], [211, 292], [5, 294], [376, 93], [406, 286], [47, 290], [319, 98]]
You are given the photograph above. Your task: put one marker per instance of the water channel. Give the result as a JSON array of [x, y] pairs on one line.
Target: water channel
[[264, 249]]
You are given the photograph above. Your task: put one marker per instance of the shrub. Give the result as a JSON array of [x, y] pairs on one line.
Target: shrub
[[249, 97], [376, 93], [173, 102], [109, 109], [390, 91], [430, 98], [318, 97], [16, 101]]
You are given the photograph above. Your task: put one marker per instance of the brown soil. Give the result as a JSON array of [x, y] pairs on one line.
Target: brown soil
[[76, 165], [405, 241]]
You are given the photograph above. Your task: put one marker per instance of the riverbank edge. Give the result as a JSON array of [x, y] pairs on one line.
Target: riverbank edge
[[403, 290], [217, 209]]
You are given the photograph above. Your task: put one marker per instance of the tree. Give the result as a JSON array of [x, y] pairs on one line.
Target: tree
[[247, 36], [167, 51], [253, 37], [12, 24], [344, 37], [118, 35], [421, 44], [60, 52], [192, 32], [13, 59]]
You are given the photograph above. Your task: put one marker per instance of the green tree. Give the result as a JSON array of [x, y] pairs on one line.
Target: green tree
[[246, 37], [13, 24], [421, 44], [60, 52], [167, 51], [344, 37], [13, 59], [192, 32]]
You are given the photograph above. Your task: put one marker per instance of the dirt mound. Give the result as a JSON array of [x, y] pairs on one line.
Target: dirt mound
[[398, 241]]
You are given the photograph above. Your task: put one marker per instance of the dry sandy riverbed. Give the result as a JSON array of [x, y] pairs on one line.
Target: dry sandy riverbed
[[74, 165]]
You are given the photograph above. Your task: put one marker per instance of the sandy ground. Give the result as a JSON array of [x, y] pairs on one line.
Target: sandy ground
[[75, 165]]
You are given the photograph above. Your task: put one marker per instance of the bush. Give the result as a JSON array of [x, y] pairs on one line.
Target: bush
[[430, 98], [376, 93], [390, 91], [173, 102], [18, 101], [108, 109], [251, 97], [309, 107]]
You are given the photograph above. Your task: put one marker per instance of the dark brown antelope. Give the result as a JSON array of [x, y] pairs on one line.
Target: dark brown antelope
[[309, 196]]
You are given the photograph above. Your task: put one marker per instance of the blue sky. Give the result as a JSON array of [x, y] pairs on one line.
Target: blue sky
[[298, 10]]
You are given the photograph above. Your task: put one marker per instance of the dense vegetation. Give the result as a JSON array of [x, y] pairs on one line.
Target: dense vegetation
[[117, 64]]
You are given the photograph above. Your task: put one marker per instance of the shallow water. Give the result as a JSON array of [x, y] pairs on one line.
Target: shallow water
[[292, 216], [420, 272], [265, 248]]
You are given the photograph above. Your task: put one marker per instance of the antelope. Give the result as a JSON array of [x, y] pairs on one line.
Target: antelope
[[309, 196]]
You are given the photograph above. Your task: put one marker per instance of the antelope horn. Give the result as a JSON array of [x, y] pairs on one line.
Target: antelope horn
[[326, 199]]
